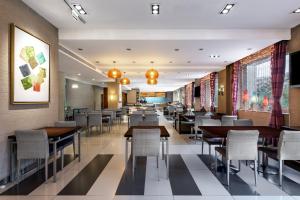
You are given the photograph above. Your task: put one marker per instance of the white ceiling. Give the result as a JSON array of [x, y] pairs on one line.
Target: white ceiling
[[114, 25]]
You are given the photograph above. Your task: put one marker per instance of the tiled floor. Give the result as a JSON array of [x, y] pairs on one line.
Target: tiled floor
[[101, 175]]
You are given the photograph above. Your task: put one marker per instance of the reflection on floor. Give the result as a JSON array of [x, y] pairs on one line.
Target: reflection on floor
[[102, 175]]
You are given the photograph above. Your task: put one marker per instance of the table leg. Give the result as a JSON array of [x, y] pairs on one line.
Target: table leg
[[163, 149], [54, 162], [167, 153], [12, 166], [126, 151], [79, 150]]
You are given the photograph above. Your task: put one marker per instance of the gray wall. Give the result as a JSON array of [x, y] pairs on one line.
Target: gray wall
[[14, 117], [85, 96]]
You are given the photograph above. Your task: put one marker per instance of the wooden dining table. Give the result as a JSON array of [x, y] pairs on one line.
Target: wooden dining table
[[56, 135], [164, 135]]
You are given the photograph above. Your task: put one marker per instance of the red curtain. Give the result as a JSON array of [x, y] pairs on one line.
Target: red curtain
[[212, 90], [277, 74], [234, 86]]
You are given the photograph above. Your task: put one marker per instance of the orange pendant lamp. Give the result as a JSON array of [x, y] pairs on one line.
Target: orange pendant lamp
[[125, 80], [114, 72], [151, 81], [152, 73]]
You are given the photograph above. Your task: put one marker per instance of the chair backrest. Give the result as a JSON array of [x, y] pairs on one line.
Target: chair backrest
[[243, 122], [227, 120], [151, 117], [135, 119], [289, 145], [32, 144], [145, 142], [94, 119], [110, 112], [211, 122], [147, 112], [65, 124], [81, 119], [242, 145]]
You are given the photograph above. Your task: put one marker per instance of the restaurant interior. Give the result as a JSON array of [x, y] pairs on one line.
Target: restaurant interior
[[150, 100]]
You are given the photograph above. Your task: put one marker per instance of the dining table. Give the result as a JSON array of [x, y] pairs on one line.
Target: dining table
[[56, 137], [164, 135]]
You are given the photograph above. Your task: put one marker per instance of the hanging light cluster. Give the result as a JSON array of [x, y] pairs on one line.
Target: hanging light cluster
[[116, 74], [152, 76]]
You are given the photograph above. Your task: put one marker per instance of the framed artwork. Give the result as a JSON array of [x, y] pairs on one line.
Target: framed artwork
[[30, 68]]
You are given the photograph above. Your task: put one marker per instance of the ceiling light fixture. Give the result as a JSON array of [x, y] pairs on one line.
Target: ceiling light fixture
[[297, 10], [155, 9], [125, 80], [176, 49], [201, 49], [97, 62], [80, 49], [227, 8], [152, 81], [76, 11], [128, 49], [79, 74], [79, 8], [214, 56], [114, 72]]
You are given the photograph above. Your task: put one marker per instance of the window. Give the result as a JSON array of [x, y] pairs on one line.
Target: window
[[207, 94], [255, 87]]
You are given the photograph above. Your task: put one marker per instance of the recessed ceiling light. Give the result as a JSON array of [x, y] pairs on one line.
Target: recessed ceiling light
[[227, 8], [249, 49], [176, 49], [189, 61], [93, 79], [128, 49], [79, 74], [80, 49], [297, 10], [151, 62], [78, 7], [133, 62], [214, 56], [201, 49], [171, 62], [155, 9]]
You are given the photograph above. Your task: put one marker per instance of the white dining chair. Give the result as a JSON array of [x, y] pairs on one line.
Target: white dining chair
[[243, 122], [145, 142], [288, 149], [227, 120], [240, 145]]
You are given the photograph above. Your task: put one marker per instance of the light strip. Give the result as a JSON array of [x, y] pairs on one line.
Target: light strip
[[227, 8]]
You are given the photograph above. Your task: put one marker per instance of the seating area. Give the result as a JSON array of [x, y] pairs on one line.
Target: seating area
[[149, 100]]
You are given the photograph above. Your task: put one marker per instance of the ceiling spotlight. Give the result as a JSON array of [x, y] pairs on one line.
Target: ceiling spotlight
[[155, 9], [97, 62], [214, 56], [171, 62], [80, 49], [227, 8], [189, 61], [201, 49], [176, 49], [133, 62], [79, 74], [297, 10], [93, 79], [79, 8], [128, 49], [249, 49]]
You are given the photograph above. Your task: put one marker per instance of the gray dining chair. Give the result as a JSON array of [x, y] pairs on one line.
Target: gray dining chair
[[135, 119], [145, 142], [66, 124], [243, 122], [227, 120], [81, 120], [288, 149], [95, 120], [240, 145], [32, 144], [207, 138]]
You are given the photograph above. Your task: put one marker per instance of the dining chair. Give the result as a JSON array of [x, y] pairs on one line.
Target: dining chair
[[135, 119], [227, 120], [95, 120], [243, 122], [81, 120], [240, 145], [209, 139], [288, 149], [198, 122], [68, 141], [32, 144], [145, 142]]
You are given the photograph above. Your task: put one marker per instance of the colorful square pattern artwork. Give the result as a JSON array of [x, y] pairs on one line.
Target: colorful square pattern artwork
[[24, 70], [27, 83]]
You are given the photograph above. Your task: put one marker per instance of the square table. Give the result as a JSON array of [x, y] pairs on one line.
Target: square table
[[164, 135]]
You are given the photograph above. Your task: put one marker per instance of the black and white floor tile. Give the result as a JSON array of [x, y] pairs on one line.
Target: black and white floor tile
[[102, 175]]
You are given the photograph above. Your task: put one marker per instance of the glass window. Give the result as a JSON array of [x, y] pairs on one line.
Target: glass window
[[255, 88]]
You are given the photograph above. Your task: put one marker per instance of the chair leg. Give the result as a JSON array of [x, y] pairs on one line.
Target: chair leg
[[74, 147], [209, 149], [202, 146], [46, 169], [280, 172], [157, 157], [157, 167], [18, 171], [133, 165], [62, 158], [216, 160], [255, 171], [228, 169]]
